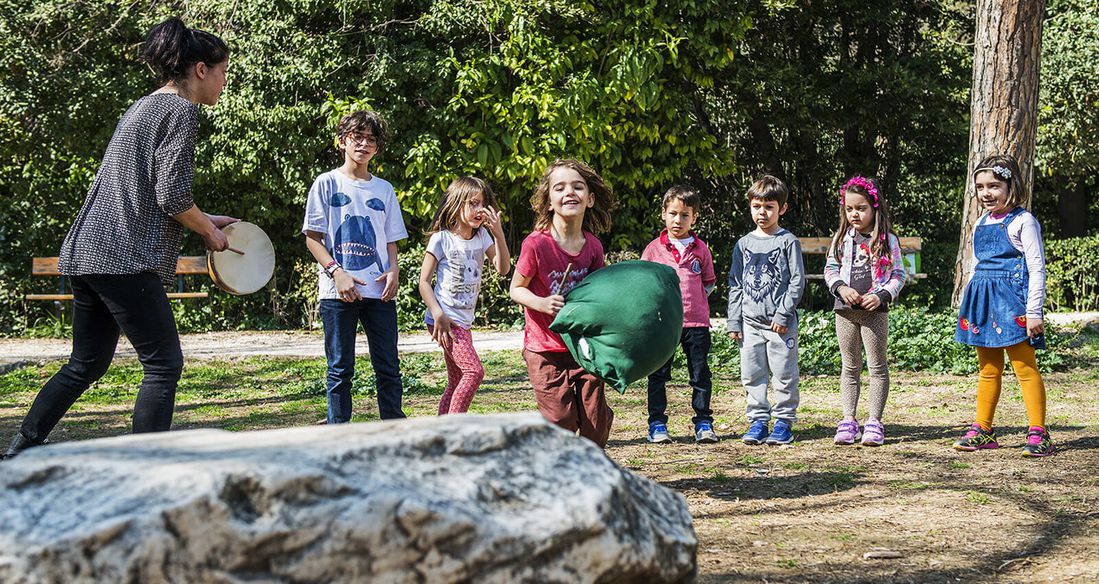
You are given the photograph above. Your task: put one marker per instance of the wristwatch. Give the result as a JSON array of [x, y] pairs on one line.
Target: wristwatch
[[330, 269]]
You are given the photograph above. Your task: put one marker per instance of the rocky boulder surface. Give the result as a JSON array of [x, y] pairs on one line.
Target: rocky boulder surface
[[503, 498]]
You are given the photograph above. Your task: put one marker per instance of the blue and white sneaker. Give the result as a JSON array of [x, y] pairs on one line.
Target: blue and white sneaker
[[756, 433], [658, 433], [704, 433], [782, 434]]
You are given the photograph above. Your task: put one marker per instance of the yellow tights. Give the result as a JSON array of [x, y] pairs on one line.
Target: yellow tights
[[991, 361]]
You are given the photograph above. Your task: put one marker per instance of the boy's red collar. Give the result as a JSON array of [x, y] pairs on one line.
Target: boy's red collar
[[667, 242]]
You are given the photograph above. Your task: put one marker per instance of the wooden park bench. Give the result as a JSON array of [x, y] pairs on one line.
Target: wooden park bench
[[910, 252], [185, 266]]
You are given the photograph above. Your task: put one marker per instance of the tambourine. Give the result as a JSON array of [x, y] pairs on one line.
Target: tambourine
[[248, 266]]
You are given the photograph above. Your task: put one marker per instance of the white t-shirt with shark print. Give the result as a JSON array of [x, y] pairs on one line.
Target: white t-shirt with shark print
[[358, 219]]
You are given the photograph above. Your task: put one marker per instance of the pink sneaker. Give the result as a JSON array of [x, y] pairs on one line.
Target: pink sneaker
[[873, 433], [847, 432]]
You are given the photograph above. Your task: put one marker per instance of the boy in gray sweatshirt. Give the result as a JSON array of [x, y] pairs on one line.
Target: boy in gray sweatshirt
[[766, 281]]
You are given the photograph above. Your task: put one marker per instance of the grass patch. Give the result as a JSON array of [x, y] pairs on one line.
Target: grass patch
[[749, 460], [720, 477], [977, 498]]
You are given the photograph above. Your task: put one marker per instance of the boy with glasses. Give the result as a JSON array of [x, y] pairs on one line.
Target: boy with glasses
[[352, 225]]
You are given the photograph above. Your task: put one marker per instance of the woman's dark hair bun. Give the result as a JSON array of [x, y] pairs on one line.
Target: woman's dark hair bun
[[171, 48]]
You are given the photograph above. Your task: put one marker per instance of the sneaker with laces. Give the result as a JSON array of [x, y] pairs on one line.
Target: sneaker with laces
[[873, 433], [704, 433], [977, 438], [1038, 442], [847, 432], [658, 433], [782, 434], [756, 433]]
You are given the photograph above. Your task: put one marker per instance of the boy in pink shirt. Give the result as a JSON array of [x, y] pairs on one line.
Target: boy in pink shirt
[[681, 249]]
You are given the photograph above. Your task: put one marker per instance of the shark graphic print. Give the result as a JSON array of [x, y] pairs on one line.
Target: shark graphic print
[[358, 219], [355, 243]]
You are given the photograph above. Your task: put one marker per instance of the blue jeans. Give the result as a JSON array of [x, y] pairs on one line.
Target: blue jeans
[[696, 347], [341, 322]]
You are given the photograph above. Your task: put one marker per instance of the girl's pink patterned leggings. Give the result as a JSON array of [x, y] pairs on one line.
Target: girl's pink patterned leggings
[[464, 372]]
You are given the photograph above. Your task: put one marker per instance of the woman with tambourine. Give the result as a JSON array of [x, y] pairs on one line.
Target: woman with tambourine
[[122, 247]]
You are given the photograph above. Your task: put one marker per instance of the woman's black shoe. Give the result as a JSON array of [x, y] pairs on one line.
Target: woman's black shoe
[[20, 444]]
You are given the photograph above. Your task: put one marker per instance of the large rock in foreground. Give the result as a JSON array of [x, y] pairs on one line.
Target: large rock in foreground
[[506, 498]]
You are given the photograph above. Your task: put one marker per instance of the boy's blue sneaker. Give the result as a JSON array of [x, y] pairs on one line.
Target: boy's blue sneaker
[[658, 433], [704, 433], [782, 434], [756, 433]]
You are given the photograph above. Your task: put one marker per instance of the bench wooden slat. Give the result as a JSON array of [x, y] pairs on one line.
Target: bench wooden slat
[[820, 245], [171, 296], [44, 267], [191, 265], [186, 265]]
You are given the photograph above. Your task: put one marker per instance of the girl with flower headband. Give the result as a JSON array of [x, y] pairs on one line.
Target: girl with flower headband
[[865, 273], [1002, 306]]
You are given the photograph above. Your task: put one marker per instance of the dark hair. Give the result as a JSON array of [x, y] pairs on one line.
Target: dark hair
[[769, 188], [996, 164], [362, 120], [171, 48], [461, 190], [685, 193], [596, 220], [880, 247]]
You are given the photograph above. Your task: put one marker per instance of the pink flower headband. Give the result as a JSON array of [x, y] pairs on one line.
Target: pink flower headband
[[859, 181]]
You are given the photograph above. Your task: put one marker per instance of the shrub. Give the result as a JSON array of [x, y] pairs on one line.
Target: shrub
[[1072, 274]]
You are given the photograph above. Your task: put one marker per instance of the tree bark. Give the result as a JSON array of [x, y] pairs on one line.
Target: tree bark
[[1004, 104]]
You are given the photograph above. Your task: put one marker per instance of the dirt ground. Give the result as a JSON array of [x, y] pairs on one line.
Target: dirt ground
[[812, 511], [807, 512]]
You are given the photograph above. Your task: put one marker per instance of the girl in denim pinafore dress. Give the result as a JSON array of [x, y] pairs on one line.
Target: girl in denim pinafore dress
[[993, 314]]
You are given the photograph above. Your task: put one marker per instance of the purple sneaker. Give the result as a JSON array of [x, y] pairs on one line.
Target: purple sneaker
[[873, 433], [847, 432]]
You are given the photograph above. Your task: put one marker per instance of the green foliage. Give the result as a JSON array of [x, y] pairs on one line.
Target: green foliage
[[828, 89], [497, 89], [1072, 274], [1067, 154], [650, 93], [1068, 100]]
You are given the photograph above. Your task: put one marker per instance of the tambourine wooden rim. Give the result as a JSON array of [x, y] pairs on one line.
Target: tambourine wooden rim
[[225, 266]]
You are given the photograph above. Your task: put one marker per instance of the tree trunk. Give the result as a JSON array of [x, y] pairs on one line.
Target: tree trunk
[[1004, 104]]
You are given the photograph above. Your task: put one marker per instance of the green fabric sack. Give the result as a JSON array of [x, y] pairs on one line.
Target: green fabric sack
[[624, 321]]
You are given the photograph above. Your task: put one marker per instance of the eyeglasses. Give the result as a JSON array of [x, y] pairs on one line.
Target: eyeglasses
[[364, 139]]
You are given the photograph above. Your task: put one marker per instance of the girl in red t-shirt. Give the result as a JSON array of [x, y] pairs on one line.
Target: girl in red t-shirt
[[571, 203]]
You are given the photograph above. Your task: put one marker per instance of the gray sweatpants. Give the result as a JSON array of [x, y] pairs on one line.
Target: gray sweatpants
[[768, 356]]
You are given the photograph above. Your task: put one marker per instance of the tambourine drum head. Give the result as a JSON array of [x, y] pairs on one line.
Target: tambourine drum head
[[243, 274]]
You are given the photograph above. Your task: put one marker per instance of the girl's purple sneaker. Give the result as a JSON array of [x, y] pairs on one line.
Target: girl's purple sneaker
[[873, 433], [847, 432]]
